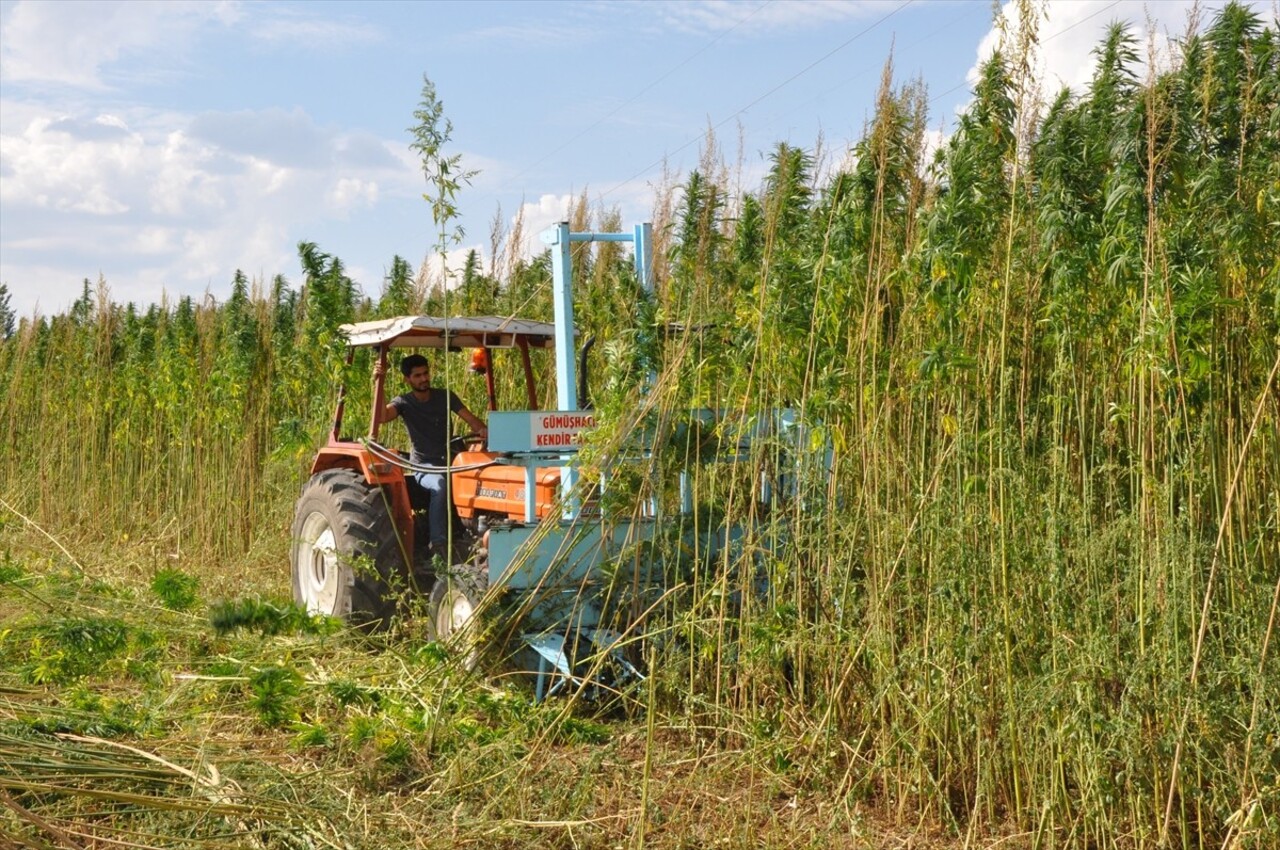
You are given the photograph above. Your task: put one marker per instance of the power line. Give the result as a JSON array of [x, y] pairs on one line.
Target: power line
[[644, 90], [767, 94], [1082, 20], [929, 37]]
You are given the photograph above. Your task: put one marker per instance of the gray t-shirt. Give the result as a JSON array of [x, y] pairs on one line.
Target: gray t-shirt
[[428, 424]]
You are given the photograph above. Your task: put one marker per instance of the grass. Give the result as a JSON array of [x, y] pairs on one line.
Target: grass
[[124, 718], [293, 736]]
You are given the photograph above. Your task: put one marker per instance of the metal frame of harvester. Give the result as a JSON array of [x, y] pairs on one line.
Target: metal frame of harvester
[[541, 557]]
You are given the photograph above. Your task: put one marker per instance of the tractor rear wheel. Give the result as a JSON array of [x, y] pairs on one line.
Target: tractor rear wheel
[[346, 558], [455, 601]]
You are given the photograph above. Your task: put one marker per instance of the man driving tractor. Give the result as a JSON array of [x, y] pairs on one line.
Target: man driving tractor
[[425, 411]]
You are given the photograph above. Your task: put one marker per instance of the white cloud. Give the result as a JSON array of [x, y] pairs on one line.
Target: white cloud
[[764, 18], [934, 141], [73, 43], [55, 164], [89, 45], [578, 24], [259, 245], [154, 205], [454, 260], [297, 28], [361, 149], [187, 180], [352, 192], [537, 216], [162, 200], [1075, 27], [153, 241], [523, 33], [286, 137]]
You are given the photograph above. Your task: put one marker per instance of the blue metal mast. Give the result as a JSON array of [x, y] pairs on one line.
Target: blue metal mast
[[559, 238]]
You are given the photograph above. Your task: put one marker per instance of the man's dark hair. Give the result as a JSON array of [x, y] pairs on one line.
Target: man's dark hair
[[411, 362]]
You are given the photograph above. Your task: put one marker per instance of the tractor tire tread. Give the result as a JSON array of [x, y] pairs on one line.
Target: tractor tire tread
[[362, 520]]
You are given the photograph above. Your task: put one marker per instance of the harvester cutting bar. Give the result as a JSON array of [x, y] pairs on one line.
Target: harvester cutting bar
[[557, 665]]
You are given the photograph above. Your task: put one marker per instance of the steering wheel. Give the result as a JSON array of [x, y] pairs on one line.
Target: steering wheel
[[462, 442]]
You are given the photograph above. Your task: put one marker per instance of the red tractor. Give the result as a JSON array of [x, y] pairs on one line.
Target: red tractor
[[355, 545]]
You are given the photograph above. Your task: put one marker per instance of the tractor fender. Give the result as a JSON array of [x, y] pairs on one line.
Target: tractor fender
[[376, 473]]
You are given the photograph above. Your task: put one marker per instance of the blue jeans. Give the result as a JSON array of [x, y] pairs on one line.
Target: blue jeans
[[438, 508]]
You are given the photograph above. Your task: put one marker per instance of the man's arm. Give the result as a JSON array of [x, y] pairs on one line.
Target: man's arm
[[476, 423], [389, 412]]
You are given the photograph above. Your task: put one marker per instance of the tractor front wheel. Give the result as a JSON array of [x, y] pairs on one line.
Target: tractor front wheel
[[455, 603], [346, 558]]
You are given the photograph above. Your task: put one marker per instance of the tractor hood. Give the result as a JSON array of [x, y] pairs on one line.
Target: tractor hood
[[444, 332]]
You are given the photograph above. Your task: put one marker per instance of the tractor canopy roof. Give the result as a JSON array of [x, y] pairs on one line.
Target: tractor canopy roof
[[450, 332]]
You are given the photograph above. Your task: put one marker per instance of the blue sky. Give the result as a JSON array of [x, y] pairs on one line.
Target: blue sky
[[165, 145]]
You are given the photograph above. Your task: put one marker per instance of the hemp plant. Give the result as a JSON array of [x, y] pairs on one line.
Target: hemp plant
[[445, 174]]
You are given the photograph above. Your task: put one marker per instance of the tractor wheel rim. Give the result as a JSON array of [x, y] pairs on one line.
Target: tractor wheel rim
[[321, 573], [454, 621], [454, 614], [460, 612]]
